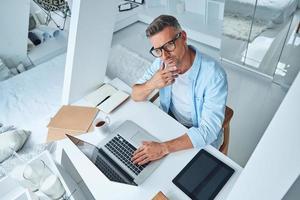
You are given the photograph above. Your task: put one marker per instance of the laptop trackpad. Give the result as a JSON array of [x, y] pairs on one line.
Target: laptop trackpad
[[138, 138]]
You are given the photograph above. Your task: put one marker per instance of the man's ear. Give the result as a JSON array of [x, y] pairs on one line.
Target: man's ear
[[184, 36]]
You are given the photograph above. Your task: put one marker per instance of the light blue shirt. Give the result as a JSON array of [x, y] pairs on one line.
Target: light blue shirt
[[208, 84]]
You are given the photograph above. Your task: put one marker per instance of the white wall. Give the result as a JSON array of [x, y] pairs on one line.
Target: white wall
[[275, 163], [90, 35], [14, 20]]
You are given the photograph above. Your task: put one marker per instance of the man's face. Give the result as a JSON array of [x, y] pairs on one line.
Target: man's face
[[165, 36]]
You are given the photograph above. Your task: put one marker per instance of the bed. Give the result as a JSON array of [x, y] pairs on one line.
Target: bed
[[273, 11], [29, 99]]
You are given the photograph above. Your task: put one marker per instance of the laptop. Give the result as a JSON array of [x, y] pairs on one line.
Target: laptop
[[113, 155]]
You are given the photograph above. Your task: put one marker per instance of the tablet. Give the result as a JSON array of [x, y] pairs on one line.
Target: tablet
[[203, 177]]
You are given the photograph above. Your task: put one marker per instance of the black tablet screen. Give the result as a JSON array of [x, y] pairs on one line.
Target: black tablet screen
[[203, 177]]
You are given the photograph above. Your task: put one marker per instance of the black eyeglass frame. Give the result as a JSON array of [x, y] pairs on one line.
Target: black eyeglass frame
[[177, 36]]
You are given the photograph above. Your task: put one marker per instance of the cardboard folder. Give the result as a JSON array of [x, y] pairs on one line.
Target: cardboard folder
[[72, 120], [59, 134]]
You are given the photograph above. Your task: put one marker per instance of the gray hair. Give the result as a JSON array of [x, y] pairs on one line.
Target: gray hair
[[161, 22]]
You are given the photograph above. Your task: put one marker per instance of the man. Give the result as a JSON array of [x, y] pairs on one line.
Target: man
[[192, 88]]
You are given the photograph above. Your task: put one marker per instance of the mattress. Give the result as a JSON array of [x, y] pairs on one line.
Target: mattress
[[275, 11], [29, 99]]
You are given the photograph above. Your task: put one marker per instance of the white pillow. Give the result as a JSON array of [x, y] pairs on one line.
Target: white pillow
[[12, 140], [4, 72]]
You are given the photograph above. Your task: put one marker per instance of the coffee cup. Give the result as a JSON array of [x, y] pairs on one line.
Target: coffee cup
[[102, 125]]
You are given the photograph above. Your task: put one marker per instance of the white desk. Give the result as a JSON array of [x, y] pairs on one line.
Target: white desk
[[162, 126]]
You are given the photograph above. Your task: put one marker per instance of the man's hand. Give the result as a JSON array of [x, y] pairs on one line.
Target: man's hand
[[149, 151], [164, 76]]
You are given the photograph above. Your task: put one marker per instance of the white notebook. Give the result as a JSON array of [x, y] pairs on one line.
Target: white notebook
[[107, 98]]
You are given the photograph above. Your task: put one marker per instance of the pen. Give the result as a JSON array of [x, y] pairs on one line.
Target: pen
[[103, 100]]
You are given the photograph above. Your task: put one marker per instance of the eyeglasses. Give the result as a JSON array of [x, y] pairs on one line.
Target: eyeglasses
[[168, 47]]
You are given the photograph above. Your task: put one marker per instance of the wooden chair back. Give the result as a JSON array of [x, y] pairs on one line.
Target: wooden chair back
[[226, 129]]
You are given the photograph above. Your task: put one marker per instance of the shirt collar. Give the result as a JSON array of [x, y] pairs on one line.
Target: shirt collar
[[196, 66]]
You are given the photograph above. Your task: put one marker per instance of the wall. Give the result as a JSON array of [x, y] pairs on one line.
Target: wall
[[90, 35], [14, 15]]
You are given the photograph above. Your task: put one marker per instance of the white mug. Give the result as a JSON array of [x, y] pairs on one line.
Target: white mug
[[102, 125]]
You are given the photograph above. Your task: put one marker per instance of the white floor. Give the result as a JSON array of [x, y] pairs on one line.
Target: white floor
[[254, 99]]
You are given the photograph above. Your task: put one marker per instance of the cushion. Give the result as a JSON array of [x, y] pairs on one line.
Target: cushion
[[12, 140], [4, 72], [126, 65]]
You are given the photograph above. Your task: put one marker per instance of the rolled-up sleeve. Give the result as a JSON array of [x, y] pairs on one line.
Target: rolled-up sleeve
[[212, 116], [150, 71]]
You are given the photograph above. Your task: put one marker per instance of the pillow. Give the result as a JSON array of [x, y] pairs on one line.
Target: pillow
[[12, 140], [4, 72]]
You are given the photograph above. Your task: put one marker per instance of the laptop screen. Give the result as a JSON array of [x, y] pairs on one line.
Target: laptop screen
[[85, 147], [103, 162]]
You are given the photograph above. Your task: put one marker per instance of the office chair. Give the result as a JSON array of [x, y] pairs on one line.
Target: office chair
[[58, 7], [225, 126], [226, 129]]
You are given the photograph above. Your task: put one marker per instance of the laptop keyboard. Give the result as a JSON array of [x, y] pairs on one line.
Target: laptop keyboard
[[123, 150]]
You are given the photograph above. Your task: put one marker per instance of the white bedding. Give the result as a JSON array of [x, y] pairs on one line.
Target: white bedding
[[29, 99], [275, 11]]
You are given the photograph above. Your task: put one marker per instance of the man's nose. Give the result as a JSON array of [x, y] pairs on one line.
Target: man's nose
[[165, 54]]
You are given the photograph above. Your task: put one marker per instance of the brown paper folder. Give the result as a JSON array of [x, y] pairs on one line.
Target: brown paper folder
[[74, 118], [58, 134]]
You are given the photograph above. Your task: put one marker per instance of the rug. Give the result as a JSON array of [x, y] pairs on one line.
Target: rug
[[238, 27], [126, 65]]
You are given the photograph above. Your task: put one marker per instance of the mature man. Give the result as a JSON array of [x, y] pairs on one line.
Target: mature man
[[192, 88]]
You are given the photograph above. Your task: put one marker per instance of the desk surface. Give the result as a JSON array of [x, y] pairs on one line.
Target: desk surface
[[159, 124]]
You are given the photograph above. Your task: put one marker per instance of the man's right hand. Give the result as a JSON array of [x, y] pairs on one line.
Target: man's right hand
[[164, 76]]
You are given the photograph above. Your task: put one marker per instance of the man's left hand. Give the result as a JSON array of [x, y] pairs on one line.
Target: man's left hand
[[149, 151]]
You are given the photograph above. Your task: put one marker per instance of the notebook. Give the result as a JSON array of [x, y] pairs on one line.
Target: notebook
[[107, 98]]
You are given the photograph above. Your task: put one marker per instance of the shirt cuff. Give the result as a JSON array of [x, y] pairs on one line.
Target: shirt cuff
[[196, 139]]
